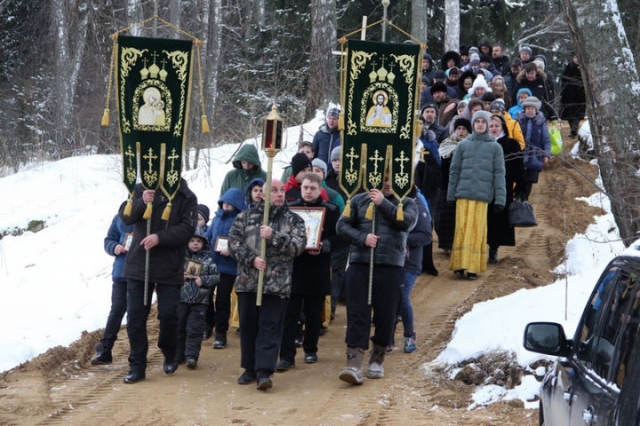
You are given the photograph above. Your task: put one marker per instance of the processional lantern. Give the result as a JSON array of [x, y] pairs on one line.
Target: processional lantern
[[271, 144], [272, 135]]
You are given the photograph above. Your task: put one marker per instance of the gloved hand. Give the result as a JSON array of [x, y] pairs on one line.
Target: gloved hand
[[498, 208]]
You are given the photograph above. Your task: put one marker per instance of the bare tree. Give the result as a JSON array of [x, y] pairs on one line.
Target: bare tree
[[71, 20], [322, 86], [611, 81], [451, 25], [419, 21]]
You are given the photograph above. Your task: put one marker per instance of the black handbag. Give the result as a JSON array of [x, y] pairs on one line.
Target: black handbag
[[521, 214]]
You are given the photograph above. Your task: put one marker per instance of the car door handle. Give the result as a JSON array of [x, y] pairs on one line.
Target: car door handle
[[569, 396], [588, 417]]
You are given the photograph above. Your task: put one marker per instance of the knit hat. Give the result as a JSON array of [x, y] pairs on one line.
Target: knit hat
[[335, 153], [485, 58], [526, 49], [488, 97], [299, 162], [539, 63], [204, 211], [474, 59], [485, 115], [199, 232], [497, 104], [453, 71], [333, 112], [462, 122], [474, 49], [532, 101], [439, 75], [479, 82], [319, 163], [438, 87]]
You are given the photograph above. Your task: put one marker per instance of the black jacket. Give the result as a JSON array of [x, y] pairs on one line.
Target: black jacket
[[166, 260], [312, 273], [393, 233]]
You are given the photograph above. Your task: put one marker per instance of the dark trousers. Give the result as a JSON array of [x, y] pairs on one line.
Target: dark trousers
[[118, 309], [191, 324], [385, 300], [311, 307], [223, 302], [137, 314], [260, 331], [339, 257]]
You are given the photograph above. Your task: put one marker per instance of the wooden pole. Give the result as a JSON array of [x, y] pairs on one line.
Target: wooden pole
[[265, 221]]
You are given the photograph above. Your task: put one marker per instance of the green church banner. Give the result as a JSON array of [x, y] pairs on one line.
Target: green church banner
[[380, 96], [153, 84]]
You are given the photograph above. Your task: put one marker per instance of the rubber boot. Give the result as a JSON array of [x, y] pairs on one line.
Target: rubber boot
[[352, 373], [376, 371], [493, 255]]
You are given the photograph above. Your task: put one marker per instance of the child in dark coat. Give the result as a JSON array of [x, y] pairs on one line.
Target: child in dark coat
[[200, 278]]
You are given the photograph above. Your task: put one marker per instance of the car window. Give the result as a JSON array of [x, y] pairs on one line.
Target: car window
[[608, 325]]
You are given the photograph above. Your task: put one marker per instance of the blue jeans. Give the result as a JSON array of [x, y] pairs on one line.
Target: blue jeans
[[406, 310]]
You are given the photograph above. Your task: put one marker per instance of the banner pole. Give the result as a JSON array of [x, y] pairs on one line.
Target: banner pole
[[265, 222], [147, 260], [371, 259]]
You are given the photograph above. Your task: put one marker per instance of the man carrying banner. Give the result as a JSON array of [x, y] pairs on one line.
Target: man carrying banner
[[167, 244], [389, 242]]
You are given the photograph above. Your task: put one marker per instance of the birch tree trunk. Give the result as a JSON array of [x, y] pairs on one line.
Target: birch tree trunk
[[611, 84], [322, 63], [71, 19], [419, 20], [451, 25]]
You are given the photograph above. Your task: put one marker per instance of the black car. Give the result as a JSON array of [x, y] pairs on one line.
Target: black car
[[596, 378]]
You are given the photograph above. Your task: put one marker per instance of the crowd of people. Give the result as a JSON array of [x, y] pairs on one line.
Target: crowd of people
[[482, 144]]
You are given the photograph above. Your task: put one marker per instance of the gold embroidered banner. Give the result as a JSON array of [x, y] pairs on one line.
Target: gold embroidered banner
[[153, 84], [381, 96]]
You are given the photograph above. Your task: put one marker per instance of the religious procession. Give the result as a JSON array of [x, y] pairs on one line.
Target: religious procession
[[418, 153]]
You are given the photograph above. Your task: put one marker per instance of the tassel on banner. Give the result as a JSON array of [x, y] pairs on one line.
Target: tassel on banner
[[341, 121], [167, 212], [205, 124], [105, 118], [347, 209], [369, 213], [400, 213], [127, 207], [147, 212]]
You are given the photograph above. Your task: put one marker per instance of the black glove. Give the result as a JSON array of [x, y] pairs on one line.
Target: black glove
[[498, 208]]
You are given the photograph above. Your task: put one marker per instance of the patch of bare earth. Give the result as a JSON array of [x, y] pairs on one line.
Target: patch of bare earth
[[62, 387]]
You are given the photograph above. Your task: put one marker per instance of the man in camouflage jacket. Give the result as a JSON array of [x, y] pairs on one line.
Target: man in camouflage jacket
[[261, 326]]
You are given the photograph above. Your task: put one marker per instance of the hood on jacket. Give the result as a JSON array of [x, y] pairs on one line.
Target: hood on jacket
[[523, 90], [247, 153], [451, 54], [234, 197], [252, 183]]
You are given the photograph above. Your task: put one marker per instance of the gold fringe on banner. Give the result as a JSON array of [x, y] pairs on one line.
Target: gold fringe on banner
[[167, 212], [369, 213], [400, 213], [127, 207], [347, 209], [205, 124], [148, 211], [105, 115]]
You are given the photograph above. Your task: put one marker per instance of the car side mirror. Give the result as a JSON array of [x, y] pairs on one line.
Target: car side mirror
[[546, 338]]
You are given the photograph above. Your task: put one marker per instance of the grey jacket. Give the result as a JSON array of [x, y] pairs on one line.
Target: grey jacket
[[393, 233], [477, 170]]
